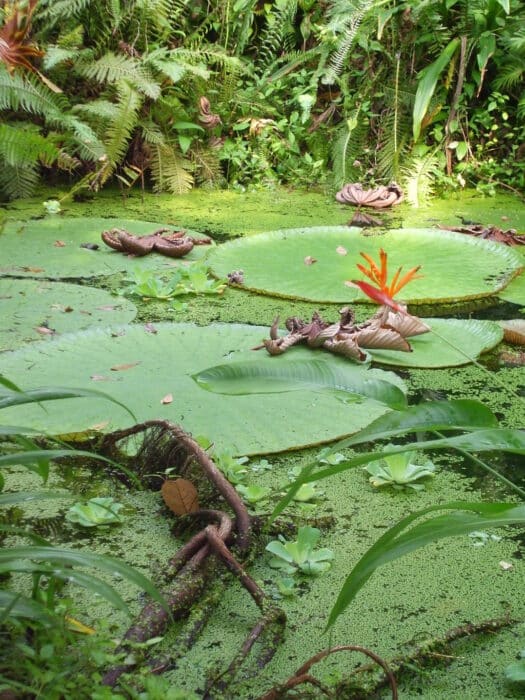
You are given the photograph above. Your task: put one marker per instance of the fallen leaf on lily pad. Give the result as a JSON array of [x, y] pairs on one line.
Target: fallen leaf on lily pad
[[309, 260], [167, 399], [180, 495], [59, 244], [44, 330], [341, 251], [150, 328], [99, 426], [100, 378], [108, 307], [128, 365], [33, 269]]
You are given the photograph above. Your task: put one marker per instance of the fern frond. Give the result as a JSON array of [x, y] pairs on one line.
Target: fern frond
[[18, 181], [112, 68], [278, 35], [55, 11], [510, 74], [23, 146], [151, 133], [98, 110], [347, 148], [418, 179], [346, 20], [55, 55], [25, 92], [170, 171], [207, 164]]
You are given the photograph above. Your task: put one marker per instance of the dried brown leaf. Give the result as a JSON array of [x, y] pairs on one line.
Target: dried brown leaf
[[44, 330], [100, 378], [180, 496], [150, 328], [59, 244], [128, 365], [309, 260], [340, 250], [167, 399]]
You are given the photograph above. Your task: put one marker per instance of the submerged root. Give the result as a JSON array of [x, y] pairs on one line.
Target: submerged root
[[196, 565]]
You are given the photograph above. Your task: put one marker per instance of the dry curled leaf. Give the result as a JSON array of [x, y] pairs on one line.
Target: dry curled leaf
[[150, 328], [26, 268], [167, 399], [341, 251], [99, 426], [180, 495], [106, 307], [100, 378], [59, 244], [309, 260], [128, 365]]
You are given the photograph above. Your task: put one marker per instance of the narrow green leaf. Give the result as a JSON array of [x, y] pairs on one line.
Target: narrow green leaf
[[9, 499], [427, 85], [16, 605], [68, 557], [458, 414], [52, 394], [395, 543]]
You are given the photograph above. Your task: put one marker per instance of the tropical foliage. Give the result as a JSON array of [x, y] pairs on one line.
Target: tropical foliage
[[182, 94]]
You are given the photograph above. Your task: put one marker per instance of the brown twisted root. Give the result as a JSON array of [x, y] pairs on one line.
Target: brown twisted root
[[174, 245], [195, 566], [377, 198]]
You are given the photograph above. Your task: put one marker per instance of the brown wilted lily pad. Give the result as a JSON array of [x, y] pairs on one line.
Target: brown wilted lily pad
[[514, 331]]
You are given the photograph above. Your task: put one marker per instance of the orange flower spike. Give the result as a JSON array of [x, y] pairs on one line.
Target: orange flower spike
[[384, 268], [375, 273], [366, 272], [396, 285]]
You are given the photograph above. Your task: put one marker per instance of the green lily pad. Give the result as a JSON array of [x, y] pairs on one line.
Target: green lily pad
[[152, 375], [515, 291], [451, 342], [34, 248], [37, 309], [311, 264]]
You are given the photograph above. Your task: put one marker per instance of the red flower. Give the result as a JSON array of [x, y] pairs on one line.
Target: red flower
[[384, 293]]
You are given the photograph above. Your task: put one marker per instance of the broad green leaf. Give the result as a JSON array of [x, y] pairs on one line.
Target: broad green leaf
[[396, 543], [28, 305], [486, 49], [427, 85], [164, 363], [454, 266], [515, 291], [69, 557], [28, 246], [272, 376]]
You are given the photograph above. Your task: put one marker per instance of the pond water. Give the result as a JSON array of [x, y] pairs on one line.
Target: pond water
[[421, 597]]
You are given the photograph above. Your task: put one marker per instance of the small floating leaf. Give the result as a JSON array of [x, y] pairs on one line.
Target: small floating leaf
[[180, 495]]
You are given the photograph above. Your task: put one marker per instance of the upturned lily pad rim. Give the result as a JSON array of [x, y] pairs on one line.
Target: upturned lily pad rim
[[516, 265]]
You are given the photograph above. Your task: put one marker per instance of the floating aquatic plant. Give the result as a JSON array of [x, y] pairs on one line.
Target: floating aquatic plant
[[300, 555], [97, 511], [398, 471]]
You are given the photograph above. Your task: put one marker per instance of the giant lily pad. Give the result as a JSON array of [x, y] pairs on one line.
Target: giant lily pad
[[51, 248], [314, 263], [152, 375], [450, 342], [515, 292], [35, 309]]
